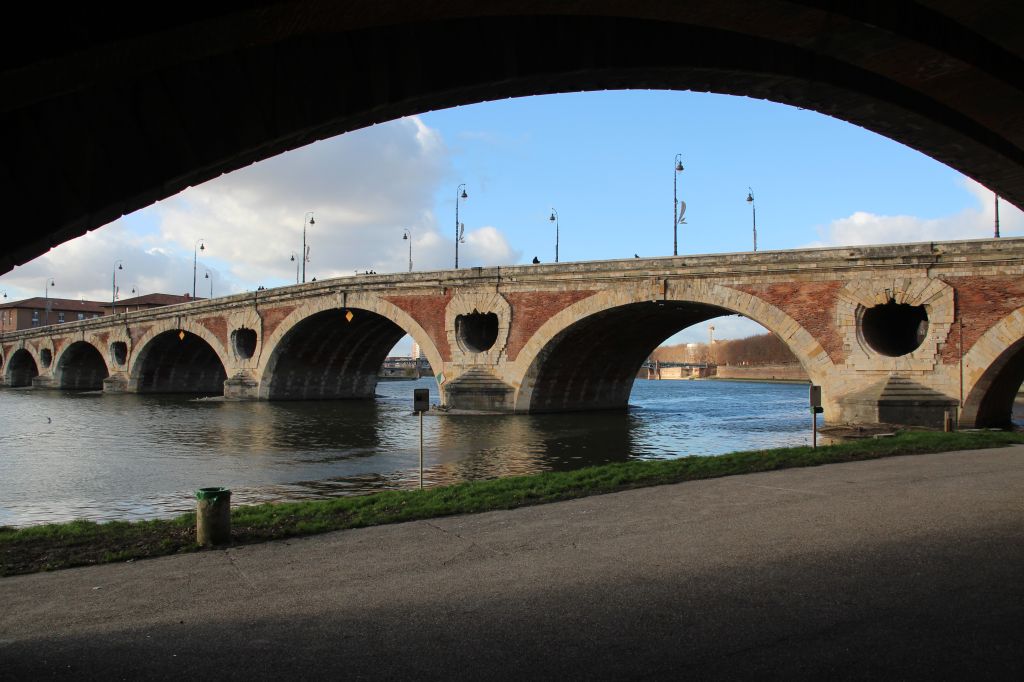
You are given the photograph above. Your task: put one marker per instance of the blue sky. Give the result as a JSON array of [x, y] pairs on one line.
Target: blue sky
[[604, 160]]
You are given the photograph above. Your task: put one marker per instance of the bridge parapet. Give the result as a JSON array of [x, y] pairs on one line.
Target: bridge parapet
[[570, 336]]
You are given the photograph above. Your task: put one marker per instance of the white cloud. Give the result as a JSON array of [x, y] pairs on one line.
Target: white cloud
[[364, 188], [972, 223]]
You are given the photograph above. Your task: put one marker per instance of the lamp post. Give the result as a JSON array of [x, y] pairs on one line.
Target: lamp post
[[997, 216], [753, 213], [407, 234], [113, 288], [554, 219], [199, 246], [676, 218], [211, 282], [306, 220], [460, 193], [46, 299], [296, 261]]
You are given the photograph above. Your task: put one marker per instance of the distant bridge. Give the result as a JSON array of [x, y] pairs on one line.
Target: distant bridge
[[898, 333]]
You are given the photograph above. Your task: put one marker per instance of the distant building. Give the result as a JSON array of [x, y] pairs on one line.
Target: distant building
[[39, 312], [148, 301]]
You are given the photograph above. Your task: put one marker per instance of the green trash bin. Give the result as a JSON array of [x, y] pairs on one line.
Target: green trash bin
[[213, 516]]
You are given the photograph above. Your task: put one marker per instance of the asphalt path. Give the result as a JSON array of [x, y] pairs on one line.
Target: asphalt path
[[901, 568]]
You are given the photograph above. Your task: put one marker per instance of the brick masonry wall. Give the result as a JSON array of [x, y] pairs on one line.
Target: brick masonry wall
[[982, 302], [530, 310], [812, 305], [272, 318], [428, 311], [218, 326]]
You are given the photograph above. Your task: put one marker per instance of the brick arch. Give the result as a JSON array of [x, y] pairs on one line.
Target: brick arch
[[140, 350], [77, 380], [993, 372], [270, 345], [719, 300], [14, 361]]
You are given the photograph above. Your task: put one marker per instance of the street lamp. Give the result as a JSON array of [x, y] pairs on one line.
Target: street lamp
[[46, 299], [113, 288], [296, 261], [199, 246], [460, 193], [554, 219], [211, 282], [407, 234], [677, 217], [306, 219], [753, 213], [997, 216]]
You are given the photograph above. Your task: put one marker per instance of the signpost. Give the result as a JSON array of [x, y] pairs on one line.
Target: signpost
[[816, 409], [420, 404]]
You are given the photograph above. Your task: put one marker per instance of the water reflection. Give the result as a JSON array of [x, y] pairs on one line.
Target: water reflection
[[142, 456]]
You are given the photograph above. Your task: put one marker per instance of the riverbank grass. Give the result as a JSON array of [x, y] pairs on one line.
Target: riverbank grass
[[79, 543]]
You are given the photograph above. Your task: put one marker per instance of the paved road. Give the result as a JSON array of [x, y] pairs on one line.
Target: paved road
[[908, 567]]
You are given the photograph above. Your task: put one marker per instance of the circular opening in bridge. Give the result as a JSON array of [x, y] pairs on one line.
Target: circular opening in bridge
[[244, 341], [477, 331], [119, 352], [895, 329], [46, 357]]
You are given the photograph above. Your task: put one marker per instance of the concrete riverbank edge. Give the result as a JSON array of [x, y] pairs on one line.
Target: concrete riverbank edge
[[897, 568], [82, 543]]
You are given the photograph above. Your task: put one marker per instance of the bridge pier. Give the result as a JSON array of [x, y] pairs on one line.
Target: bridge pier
[[242, 386], [43, 381], [116, 383]]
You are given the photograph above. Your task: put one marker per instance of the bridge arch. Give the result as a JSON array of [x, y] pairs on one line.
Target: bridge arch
[[318, 352], [994, 371], [587, 356], [900, 72], [80, 366], [21, 367], [178, 357]]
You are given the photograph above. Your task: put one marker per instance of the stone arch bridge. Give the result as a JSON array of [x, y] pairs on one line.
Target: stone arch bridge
[[898, 333]]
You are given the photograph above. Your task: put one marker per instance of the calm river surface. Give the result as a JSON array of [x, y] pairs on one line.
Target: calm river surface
[[101, 457]]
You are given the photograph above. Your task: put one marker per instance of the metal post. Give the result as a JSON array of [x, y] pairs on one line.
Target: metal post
[[46, 300], [305, 249], [460, 193], [554, 219], [199, 246], [997, 216], [113, 288], [675, 204], [753, 213]]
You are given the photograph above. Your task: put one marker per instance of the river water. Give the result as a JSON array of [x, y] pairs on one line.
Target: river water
[[70, 455]]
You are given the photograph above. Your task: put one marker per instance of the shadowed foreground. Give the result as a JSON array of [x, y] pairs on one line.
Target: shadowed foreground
[[901, 567]]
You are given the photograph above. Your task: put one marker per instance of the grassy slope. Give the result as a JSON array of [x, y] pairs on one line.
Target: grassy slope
[[78, 543]]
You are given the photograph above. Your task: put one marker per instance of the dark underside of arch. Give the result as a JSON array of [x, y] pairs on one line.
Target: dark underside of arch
[[592, 364], [327, 357], [115, 111], [1001, 384], [170, 364], [21, 368], [81, 368]]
